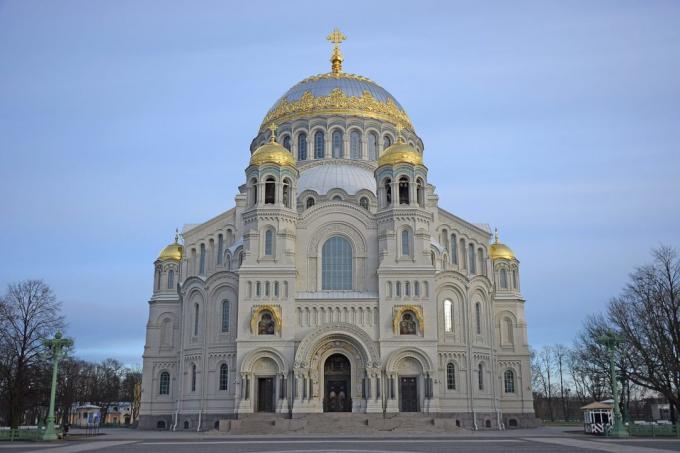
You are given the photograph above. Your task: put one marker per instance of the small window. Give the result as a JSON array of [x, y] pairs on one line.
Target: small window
[[276, 289], [266, 325], [258, 289], [509, 379], [404, 197], [270, 191], [171, 279], [225, 316], [504, 278], [319, 145], [451, 376], [420, 192], [241, 256], [196, 313], [448, 318], [416, 288], [514, 279], [201, 263], [407, 289], [193, 377], [286, 193], [337, 198], [372, 146], [336, 144], [253, 192], [363, 202], [160, 424], [220, 249], [407, 326], [355, 145], [302, 147], [269, 243], [480, 376], [164, 383], [224, 376], [471, 259], [405, 243], [309, 203], [454, 249], [387, 141], [478, 318], [388, 191], [286, 142], [186, 424]]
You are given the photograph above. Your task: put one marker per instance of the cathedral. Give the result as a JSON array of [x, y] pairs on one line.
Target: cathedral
[[336, 282]]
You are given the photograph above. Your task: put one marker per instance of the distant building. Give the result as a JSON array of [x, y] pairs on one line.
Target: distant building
[[85, 415], [119, 414]]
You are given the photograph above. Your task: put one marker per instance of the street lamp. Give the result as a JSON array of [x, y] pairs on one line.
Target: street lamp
[[56, 345], [610, 341]]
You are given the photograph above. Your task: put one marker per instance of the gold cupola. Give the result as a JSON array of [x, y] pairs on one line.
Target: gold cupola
[[498, 251], [272, 152], [400, 153], [172, 251]]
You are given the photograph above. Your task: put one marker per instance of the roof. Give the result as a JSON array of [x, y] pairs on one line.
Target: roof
[[597, 405], [323, 178]]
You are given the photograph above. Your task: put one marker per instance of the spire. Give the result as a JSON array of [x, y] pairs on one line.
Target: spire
[[176, 235], [495, 235], [336, 37], [400, 137], [272, 128]]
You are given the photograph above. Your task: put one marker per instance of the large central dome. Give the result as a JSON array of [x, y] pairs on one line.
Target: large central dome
[[337, 93]]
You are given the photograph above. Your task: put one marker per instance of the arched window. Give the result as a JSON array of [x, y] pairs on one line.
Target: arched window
[[164, 383], [372, 146], [310, 202], [196, 313], [462, 252], [157, 279], [387, 141], [405, 243], [225, 316], [471, 259], [171, 279], [286, 142], [363, 202], [451, 376], [270, 191], [416, 288], [454, 249], [302, 147], [480, 376], [404, 190], [286, 192], [514, 279], [337, 198], [407, 288], [388, 191], [266, 325], [193, 377], [267, 286], [504, 278], [509, 331], [224, 376], [253, 192], [336, 264], [269, 243], [397, 288], [258, 289], [220, 249], [319, 145], [186, 424], [407, 325], [354, 145], [241, 256], [448, 318], [201, 262], [276, 289], [478, 318], [420, 192], [336, 146], [509, 380]]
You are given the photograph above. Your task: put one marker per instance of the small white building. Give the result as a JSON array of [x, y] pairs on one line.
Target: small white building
[[85, 415], [598, 416]]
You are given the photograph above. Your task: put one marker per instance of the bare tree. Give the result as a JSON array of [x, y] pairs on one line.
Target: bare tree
[[29, 313], [560, 353]]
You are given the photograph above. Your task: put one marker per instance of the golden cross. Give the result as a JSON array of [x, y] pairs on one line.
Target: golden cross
[[336, 37], [399, 128], [272, 128]]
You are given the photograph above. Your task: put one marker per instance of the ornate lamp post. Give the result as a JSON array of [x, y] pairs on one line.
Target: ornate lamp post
[[610, 340], [56, 345]]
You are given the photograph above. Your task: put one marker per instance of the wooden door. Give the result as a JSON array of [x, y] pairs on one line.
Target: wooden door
[[408, 391], [265, 394]]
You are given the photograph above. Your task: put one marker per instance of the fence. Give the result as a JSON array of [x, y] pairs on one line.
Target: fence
[[654, 430], [31, 433]]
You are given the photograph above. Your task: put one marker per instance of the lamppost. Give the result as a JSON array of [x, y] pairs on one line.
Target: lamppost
[[610, 341], [56, 345]]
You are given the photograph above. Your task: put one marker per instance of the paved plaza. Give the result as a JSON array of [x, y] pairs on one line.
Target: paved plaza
[[552, 439]]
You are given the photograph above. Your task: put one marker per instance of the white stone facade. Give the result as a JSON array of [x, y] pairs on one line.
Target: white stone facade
[[252, 319]]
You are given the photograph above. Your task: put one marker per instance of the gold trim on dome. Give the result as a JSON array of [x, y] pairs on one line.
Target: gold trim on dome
[[337, 103], [498, 251], [275, 310], [172, 251], [272, 152], [415, 309], [333, 75]]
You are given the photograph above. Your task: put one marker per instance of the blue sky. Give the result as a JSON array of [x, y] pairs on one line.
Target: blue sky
[[558, 122]]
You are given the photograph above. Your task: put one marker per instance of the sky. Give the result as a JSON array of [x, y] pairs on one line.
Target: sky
[[557, 122]]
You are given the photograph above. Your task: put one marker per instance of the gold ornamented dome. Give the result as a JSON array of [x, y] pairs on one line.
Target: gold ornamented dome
[[272, 152], [172, 251], [498, 251], [400, 153]]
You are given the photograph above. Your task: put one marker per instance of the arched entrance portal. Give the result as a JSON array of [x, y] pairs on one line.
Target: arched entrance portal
[[337, 384]]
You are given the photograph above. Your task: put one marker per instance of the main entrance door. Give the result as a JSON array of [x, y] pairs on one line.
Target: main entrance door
[[265, 394], [408, 391], [337, 380]]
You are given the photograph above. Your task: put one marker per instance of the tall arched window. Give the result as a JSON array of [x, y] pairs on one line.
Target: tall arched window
[[270, 191], [201, 261], [454, 249], [309, 203], [220, 249], [504, 278], [478, 318], [319, 145], [451, 376], [269, 243], [193, 377], [171, 279], [397, 289], [480, 376], [241, 256], [164, 383], [387, 141], [448, 318], [355, 145], [363, 202], [286, 142], [336, 145], [225, 316], [286, 192], [416, 288], [509, 380], [388, 191], [276, 289], [405, 243], [514, 279], [253, 192], [472, 259], [404, 197], [224, 376], [420, 192], [462, 253], [336, 264], [509, 331], [372, 146], [302, 147], [196, 313], [407, 289]]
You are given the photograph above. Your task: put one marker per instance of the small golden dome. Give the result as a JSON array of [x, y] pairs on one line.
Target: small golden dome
[[272, 153], [400, 153], [498, 251], [172, 251]]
